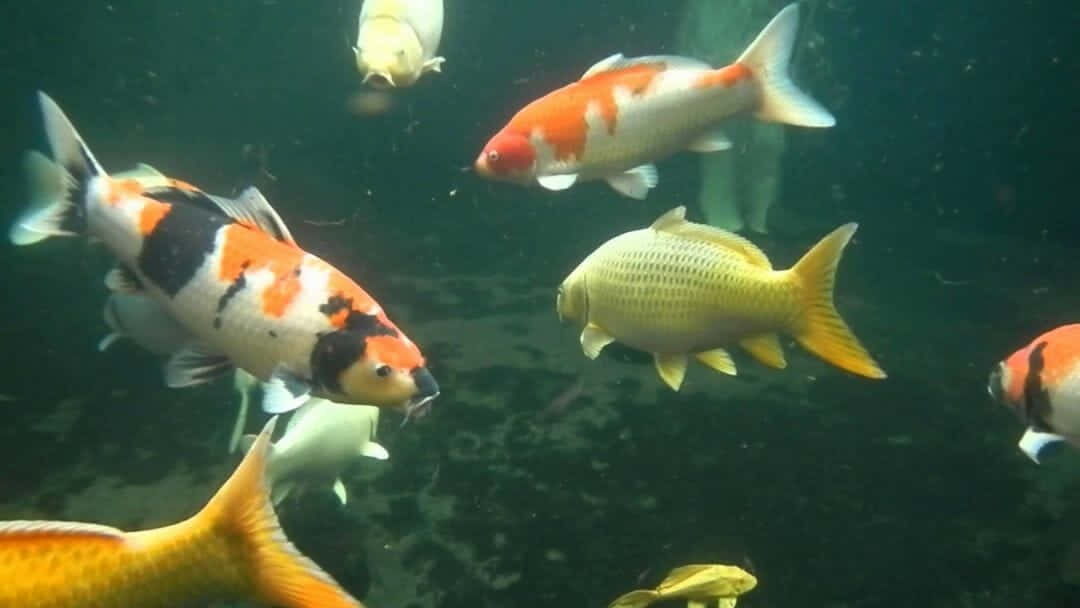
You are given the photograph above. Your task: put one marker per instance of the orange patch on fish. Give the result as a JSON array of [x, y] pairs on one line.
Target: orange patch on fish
[[120, 189], [151, 213], [726, 77], [247, 250], [393, 351], [560, 115]]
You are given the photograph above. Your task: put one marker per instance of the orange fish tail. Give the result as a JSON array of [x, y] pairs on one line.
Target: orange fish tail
[[818, 326], [279, 574]]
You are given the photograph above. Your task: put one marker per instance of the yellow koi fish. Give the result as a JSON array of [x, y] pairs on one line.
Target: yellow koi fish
[[678, 288], [233, 548]]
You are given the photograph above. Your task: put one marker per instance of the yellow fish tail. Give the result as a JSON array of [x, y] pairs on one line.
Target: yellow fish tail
[[818, 326], [279, 574]]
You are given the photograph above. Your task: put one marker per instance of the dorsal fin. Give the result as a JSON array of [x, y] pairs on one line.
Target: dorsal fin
[[674, 222], [618, 62], [252, 208], [143, 171], [58, 528]]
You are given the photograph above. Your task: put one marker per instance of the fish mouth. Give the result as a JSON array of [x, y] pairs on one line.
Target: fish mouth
[[379, 80], [482, 168]]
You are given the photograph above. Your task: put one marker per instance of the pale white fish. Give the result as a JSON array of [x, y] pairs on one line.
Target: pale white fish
[[396, 41], [322, 439]]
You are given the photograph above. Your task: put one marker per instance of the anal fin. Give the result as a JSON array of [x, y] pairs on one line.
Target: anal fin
[[766, 349], [374, 450]]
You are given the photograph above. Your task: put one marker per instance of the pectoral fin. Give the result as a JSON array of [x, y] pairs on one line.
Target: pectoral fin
[[672, 369], [557, 182], [766, 349], [433, 65], [284, 392], [340, 492], [374, 450], [718, 359], [1034, 441], [593, 340]]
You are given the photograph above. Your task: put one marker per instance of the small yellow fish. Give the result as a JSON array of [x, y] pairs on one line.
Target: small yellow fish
[[678, 288], [232, 549], [698, 584]]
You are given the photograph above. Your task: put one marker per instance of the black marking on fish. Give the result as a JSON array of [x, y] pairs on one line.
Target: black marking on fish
[[180, 196], [334, 352], [178, 247], [238, 284], [1036, 398], [368, 325], [273, 334], [217, 322], [334, 304]]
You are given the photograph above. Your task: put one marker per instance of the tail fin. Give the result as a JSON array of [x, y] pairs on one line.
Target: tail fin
[[280, 575], [57, 185], [767, 58], [819, 327]]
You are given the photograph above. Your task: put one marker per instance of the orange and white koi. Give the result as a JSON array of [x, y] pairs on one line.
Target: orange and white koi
[[229, 272], [626, 113], [233, 548], [1041, 384]]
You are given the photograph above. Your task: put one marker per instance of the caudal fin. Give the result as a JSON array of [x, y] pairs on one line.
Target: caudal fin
[[57, 185], [819, 327], [279, 574], [767, 58]]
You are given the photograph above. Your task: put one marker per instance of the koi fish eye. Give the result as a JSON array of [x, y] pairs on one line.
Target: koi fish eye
[[383, 371], [493, 156]]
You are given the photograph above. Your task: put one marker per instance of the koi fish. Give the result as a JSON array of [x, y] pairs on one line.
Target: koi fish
[[699, 584], [230, 273], [321, 440], [397, 40], [678, 288], [1040, 383], [626, 113], [233, 548]]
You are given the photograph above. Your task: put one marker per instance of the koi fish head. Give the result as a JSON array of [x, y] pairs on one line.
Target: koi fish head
[[507, 156], [382, 368], [388, 53], [1039, 377]]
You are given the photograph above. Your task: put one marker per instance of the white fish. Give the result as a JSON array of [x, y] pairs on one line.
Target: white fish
[[397, 39], [322, 439]]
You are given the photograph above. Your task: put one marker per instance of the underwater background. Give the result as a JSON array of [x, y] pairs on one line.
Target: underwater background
[[954, 150]]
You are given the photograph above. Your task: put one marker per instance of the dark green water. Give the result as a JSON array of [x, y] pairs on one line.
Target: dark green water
[[953, 150]]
